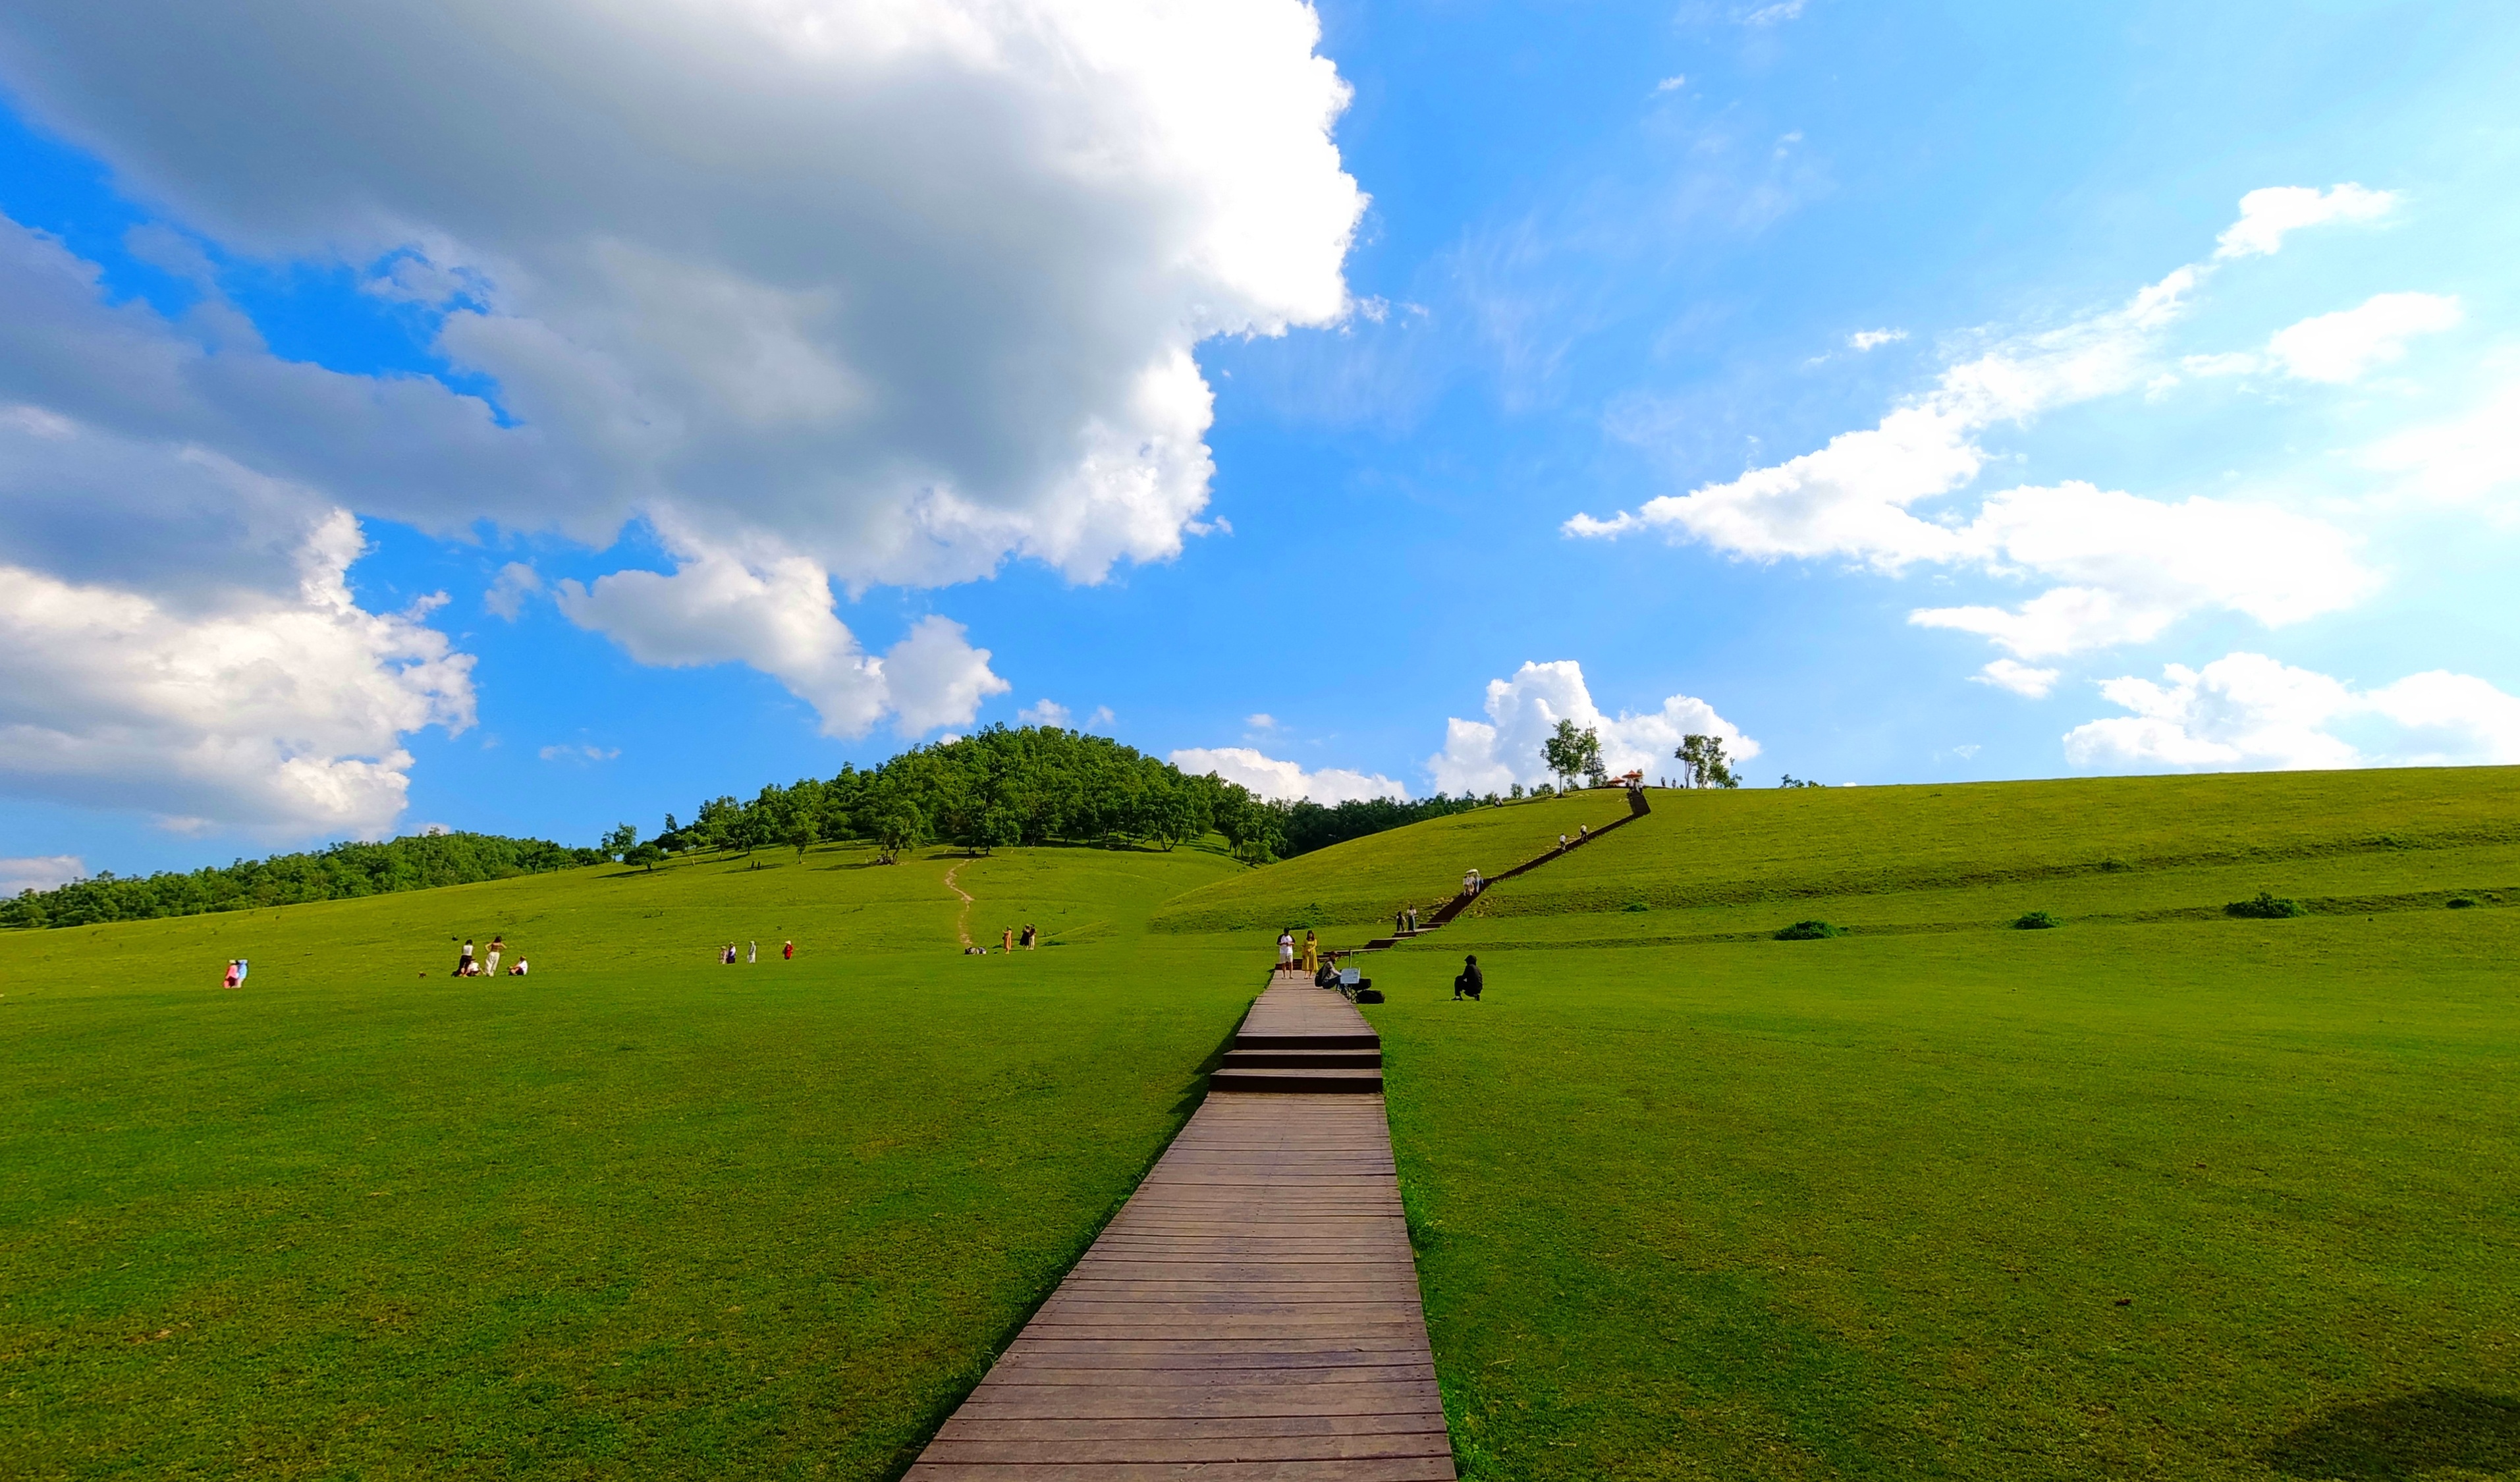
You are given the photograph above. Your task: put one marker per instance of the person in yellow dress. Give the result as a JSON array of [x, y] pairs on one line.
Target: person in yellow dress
[[1312, 954]]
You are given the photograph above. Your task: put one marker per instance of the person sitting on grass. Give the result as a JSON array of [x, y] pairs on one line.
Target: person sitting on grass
[[517, 970], [1470, 982]]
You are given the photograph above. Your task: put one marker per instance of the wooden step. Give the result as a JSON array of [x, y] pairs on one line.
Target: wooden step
[[1308, 1042], [1299, 1079], [1310, 1055]]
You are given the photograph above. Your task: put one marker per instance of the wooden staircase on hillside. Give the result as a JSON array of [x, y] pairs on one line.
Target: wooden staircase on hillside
[[1637, 808]]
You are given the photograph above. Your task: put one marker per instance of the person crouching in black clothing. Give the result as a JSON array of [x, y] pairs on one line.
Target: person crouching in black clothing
[[1472, 981]]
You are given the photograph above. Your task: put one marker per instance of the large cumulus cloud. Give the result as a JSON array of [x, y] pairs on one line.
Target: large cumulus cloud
[[825, 292]]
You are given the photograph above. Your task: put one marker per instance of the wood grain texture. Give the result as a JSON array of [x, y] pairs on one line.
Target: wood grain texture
[[1251, 1314]]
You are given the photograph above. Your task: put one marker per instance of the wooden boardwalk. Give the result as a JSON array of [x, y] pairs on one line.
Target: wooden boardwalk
[[1251, 1314]]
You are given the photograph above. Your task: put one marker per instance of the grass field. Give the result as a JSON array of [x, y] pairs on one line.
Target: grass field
[[636, 1214], [2159, 1193]]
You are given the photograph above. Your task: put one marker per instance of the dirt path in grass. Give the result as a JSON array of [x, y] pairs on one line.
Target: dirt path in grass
[[962, 918]]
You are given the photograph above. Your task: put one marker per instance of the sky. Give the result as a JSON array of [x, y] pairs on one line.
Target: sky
[[532, 416]]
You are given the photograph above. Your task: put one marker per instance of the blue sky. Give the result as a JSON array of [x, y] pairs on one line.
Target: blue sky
[[2164, 361]]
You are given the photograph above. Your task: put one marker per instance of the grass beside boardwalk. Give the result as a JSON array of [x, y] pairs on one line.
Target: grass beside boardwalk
[[2160, 1194], [637, 1215]]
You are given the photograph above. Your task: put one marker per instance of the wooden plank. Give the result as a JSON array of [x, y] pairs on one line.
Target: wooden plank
[[1038, 1452], [1393, 1469]]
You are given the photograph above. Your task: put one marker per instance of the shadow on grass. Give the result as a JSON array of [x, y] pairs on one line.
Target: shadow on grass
[[2413, 1436], [1192, 1093]]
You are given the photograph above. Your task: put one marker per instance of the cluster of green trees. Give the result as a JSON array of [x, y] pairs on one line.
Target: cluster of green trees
[[339, 873], [998, 786], [1572, 751], [1310, 826]]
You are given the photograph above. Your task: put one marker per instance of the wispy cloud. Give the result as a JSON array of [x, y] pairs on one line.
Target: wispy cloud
[[578, 755], [1874, 340]]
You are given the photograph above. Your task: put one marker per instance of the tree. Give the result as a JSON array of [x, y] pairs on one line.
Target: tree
[[1792, 780], [803, 835], [1702, 763], [621, 840], [901, 829], [1570, 753], [998, 826], [647, 854]]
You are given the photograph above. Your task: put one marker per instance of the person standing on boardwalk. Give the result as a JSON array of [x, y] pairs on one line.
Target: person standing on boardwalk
[[1472, 982], [1287, 948], [1312, 953]]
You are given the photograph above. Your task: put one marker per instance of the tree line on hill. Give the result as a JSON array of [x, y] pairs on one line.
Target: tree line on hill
[[342, 872], [1032, 785], [996, 788]]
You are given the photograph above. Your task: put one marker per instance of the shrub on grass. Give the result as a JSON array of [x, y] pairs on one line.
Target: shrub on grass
[[2035, 921], [1806, 931], [2460, 902], [2267, 906], [1641, 905]]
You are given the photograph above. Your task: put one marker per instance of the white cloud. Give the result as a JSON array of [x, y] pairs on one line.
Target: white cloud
[[882, 293], [279, 714], [2126, 566], [1268, 776], [2019, 678], [1100, 719], [2269, 215], [507, 594], [1775, 15], [1491, 756], [2133, 566], [2459, 460], [1671, 84], [1874, 340], [1261, 721], [2339, 347], [2247, 710], [580, 754], [43, 871], [1044, 713], [934, 677], [777, 616]]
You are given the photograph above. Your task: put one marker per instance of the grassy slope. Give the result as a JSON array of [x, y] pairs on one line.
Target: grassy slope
[[1363, 880], [639, 1214], [1866, 1207]]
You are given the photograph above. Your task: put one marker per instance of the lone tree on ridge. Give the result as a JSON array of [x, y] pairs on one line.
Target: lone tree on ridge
[[1702, 763], [1570, 753]]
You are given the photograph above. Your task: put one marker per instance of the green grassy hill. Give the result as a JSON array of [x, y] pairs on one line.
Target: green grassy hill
[[1361, 883], [635, 1215], [2158, 1194]]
